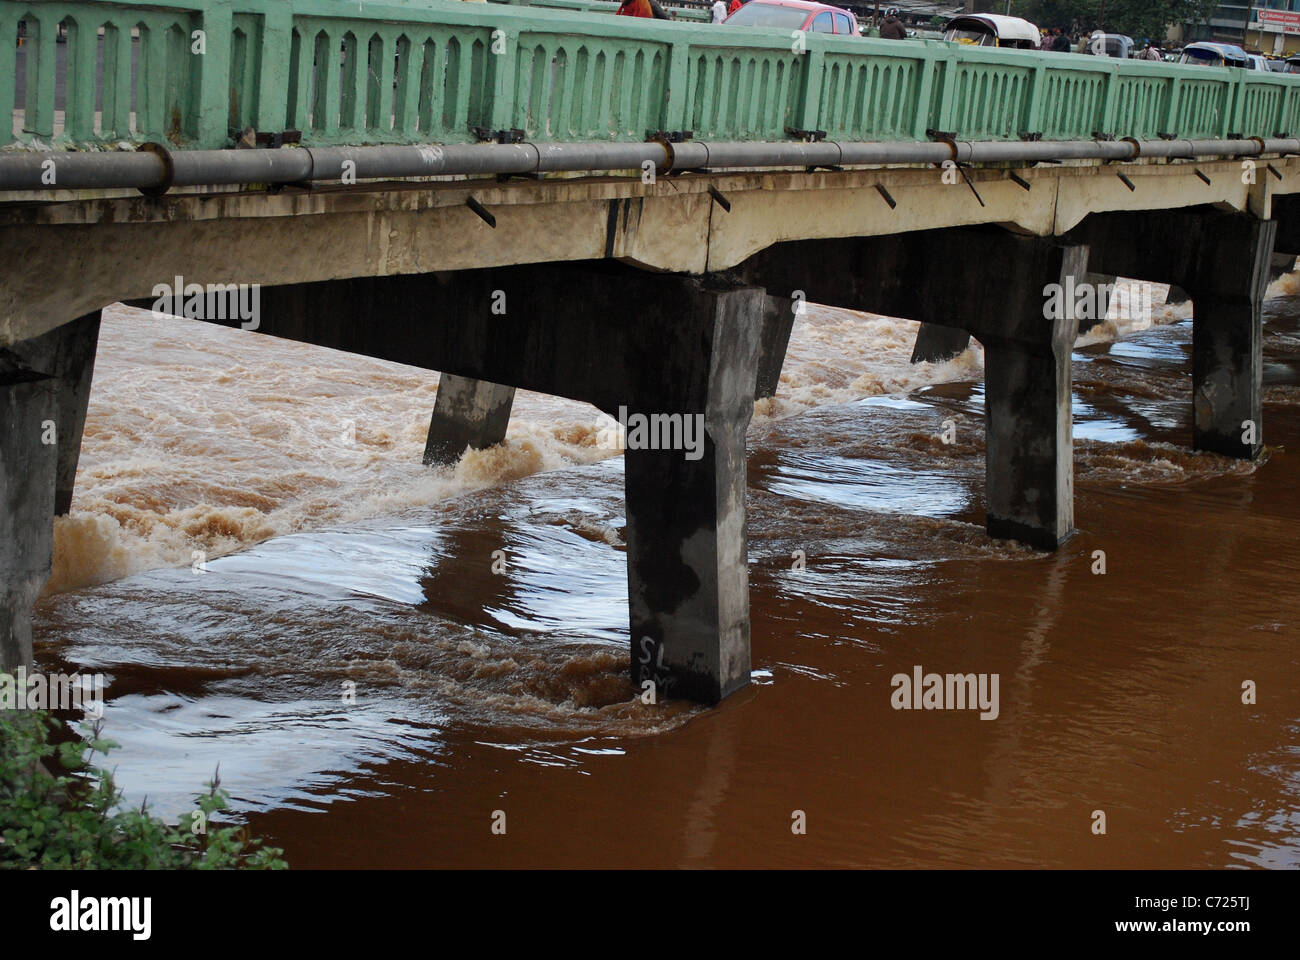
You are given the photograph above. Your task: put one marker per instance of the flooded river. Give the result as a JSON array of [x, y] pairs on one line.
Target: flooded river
[[253, 536]]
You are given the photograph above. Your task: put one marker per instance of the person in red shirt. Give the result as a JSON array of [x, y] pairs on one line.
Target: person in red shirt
[[735, 5], [643, 8]]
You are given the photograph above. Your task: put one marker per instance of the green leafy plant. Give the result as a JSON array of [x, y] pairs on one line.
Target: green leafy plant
[[74, 819]]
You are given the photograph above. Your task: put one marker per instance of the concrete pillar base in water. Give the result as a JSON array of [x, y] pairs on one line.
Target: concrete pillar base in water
[[467, 413], [688, 581], [28, 466]]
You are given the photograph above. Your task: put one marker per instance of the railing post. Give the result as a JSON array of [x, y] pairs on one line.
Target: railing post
[[79, 89], [1107, 118], [504, 64], [810, 111], [677, 88], [1037, 86], [217, 23], [272, 110], [942, 119], [39, 118], [1238, 106], [8, 61], [1171, 112]]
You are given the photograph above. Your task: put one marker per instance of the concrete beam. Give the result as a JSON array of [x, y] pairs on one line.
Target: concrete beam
[[120, 247], [995, 285], [467, 413]]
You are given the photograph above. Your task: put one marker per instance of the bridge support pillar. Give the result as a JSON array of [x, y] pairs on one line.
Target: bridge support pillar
[[944, 277], [1221, 260], [44, 390], [936, 343], [778, 322], [674, 358], [67, 354], [467, 413], [688, 580], [1227, 334], [28, 467]]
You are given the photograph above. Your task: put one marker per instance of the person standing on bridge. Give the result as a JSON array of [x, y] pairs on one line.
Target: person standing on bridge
[[892, 28], [643, 8], [719, 10]]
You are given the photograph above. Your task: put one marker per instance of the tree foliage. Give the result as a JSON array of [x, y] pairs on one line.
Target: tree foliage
[[1139, 19]]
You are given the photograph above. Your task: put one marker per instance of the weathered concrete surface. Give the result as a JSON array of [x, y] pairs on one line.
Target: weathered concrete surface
[[943, 277], [120, 247], [1222, 260], [67, 354], [618, 338], [28, 405], [466, 413]]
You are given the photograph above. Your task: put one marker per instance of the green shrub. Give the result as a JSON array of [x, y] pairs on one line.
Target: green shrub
[[73, 818]]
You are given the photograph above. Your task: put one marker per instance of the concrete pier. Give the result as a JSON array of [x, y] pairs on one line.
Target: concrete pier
[[994, 284], [67, 354], [28, 466], [467, 413], [682, 352], [779, 314], [936, 343], [1222, 260]]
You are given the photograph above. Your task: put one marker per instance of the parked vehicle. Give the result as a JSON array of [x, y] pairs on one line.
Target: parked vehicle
[[992, 30], [1277, 65], [1206, 54], [1256, 61], [1111, 45], [796, 15]]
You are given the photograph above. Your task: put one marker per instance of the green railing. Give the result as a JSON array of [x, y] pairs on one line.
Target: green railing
[[196, 72]]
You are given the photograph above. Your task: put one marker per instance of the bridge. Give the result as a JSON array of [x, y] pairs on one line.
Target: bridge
[[621, 212]]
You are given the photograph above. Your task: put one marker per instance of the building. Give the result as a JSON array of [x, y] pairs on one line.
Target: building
[[1270, 26]]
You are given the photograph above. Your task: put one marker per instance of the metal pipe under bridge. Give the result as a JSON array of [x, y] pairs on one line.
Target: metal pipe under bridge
[[653, 198]]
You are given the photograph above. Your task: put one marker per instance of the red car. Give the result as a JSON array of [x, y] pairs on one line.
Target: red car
[[796, 15]]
